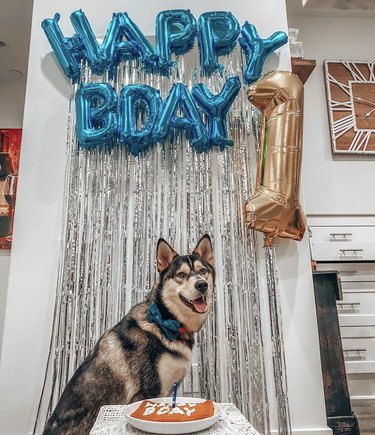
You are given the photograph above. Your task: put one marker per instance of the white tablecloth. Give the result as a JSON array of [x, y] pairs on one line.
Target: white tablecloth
[[111, 421]]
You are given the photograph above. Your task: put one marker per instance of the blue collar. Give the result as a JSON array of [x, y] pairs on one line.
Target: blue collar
[[169, 327]]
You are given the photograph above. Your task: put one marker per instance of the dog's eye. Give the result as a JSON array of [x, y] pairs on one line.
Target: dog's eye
[[203, 271], [181, 275]]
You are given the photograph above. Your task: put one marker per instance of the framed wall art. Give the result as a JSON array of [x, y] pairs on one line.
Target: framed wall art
[[10, 145], [350, 89]]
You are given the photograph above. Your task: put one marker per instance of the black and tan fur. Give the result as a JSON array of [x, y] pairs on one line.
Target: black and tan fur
[[134, 360]]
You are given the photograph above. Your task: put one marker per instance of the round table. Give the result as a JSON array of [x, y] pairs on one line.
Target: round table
[[111, 421]]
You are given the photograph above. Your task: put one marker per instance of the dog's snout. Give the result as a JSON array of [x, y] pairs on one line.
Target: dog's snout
[[201, 285]]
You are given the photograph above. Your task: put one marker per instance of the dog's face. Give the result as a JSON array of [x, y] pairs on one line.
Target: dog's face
[[187, 282]]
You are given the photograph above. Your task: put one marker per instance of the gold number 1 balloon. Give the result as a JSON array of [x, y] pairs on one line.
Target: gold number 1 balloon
[[275, 207]]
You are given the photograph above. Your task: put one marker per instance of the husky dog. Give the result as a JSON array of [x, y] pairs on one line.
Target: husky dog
[[149, 349]]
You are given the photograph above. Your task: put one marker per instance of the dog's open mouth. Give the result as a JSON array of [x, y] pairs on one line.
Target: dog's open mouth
[[198, 305]]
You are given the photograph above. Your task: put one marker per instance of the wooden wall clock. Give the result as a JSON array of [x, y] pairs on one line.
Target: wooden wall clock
[[350, 88]]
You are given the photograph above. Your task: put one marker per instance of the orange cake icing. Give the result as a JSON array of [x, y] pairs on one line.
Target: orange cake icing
[[154, 411]]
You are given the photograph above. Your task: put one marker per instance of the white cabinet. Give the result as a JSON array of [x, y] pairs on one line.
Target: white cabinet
[[347, 251], [342, 242], [347, 244]]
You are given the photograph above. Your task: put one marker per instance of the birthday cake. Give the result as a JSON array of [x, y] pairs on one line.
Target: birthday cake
[[163, 412]]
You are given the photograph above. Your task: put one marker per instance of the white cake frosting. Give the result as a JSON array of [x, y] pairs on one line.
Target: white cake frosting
[[186, 409]]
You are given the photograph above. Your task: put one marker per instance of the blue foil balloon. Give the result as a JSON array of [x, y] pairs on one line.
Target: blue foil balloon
[[92, 49], [136, 100], [180, 98], [68, 51], [216, 108], [139, 42], [175, 33], [113, 49], [218, 32], [96, 105], [257, 49]]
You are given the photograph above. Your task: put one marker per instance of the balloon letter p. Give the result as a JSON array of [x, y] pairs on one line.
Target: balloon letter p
[[218, 32], [175, 33]]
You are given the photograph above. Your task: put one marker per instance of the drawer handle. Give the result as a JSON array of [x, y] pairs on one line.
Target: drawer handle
[[348, 272], [340, 237], [354, 354], [348, 306], [355, 350], [354, 251]]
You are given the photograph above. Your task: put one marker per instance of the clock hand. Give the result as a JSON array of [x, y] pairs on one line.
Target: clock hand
[[364, 101], [369, 113]]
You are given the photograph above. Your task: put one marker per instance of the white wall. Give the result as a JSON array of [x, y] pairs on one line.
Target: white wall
[[4, 275], [333, 185], [12, 99], [38, 224]]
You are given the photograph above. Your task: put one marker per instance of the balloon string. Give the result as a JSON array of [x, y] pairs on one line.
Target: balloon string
[[278, 353]]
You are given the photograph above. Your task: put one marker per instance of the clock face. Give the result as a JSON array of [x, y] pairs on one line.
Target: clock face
[[351, 106]]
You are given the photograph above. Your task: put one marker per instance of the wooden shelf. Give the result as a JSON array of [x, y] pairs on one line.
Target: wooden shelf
[[303, 68]]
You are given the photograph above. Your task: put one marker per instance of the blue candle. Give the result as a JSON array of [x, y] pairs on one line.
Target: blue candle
[[174, 395]]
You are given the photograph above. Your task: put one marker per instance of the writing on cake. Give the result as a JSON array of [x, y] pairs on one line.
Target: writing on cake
[[162, 411]]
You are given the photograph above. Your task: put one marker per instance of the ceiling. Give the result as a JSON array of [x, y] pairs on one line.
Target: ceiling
[[341, 4], [332, 8], [15, 23]]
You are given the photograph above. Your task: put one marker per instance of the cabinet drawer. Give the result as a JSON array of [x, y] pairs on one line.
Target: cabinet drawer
[[357, 321], [358, 349], [352, 272], [343, 234], [355, 367], [357, 302], [344, 251], [343, 242], [357, 332], [362, 287]]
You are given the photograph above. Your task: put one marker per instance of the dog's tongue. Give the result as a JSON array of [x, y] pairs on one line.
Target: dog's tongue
[[200, 304]]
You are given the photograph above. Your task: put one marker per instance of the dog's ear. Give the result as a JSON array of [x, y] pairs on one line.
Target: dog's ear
[[204, 249], [164, 255]]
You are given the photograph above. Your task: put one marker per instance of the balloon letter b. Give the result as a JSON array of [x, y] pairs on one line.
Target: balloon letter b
[[275, 207], [96, 104]]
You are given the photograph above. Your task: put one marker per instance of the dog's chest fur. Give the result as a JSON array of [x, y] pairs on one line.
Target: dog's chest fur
[[171, 369], [154, 360]]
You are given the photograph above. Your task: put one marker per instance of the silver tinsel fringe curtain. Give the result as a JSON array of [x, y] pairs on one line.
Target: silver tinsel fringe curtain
[[116, 208]]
